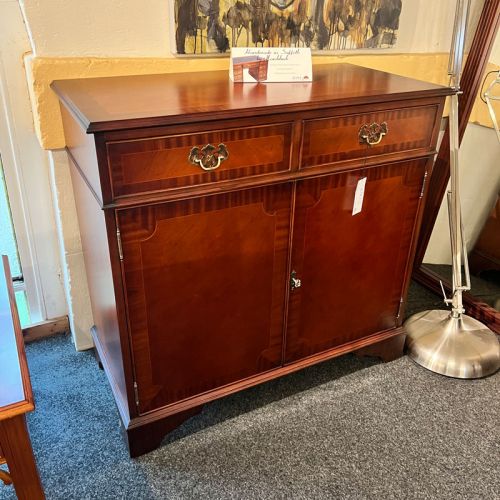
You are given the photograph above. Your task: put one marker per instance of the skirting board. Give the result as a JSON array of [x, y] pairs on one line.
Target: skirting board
[[47, 328]]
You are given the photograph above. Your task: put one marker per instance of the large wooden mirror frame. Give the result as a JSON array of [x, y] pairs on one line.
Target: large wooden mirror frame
[[472, 76]]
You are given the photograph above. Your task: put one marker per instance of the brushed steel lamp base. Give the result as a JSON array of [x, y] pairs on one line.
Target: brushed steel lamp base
[[451, 343], [460, 347]]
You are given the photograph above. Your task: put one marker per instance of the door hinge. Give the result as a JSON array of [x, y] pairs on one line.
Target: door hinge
[[423, 185], [136, 394], [119, 240], [401, 302]]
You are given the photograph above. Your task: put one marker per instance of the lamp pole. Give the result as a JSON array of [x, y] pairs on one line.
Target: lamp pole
[[450, 342]]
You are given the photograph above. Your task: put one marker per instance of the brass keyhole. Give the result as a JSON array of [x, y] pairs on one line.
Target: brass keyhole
[[294, 281]]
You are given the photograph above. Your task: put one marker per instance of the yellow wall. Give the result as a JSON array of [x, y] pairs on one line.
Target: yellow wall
[[43, 70]]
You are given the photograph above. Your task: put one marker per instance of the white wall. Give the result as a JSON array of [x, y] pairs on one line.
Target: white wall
[[495, 52], [479, 186], [138, 28], [70, 247], [102, 28], [27, 174]]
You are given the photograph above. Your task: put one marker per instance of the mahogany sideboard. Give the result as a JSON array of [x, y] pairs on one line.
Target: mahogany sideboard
[[223, 243]]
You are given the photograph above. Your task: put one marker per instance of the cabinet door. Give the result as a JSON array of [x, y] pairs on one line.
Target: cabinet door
[[352, 266], [205, 282]]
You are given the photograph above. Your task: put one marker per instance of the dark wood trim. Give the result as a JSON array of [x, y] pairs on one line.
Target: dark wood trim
[[103, 139], [112, 136], [148, 437], [4, 476], [176, 194], [122, 311], [13, 343], [189, 192], [472, 76], [223, 99], [44, 329], [145, 438], [103, 363], [16, 446], [263, 377], [387, 350], [416, 232], [160, 121], [172, 130], [17, 399]]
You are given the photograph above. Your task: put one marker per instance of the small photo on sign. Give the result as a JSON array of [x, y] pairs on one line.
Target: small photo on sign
[[257, 65], [250, 68]]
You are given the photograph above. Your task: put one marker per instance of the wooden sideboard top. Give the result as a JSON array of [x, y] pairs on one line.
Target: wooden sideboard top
[[15, 387], [117, 103]]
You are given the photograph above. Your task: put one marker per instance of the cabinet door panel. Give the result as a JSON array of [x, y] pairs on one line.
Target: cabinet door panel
[[205, 283], [352, 267]]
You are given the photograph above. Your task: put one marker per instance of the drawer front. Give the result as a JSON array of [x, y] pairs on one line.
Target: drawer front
[[337, 138], [159, 163]]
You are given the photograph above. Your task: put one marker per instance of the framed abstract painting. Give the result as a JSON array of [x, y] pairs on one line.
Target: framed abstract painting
[[214, 26]]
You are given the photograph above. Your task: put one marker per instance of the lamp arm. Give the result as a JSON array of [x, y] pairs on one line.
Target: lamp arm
[[489, 97], [458, 42]]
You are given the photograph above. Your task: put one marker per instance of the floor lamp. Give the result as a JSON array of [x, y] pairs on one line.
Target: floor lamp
[[450, 342]]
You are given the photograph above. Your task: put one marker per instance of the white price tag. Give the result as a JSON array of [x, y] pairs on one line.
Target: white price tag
[[358, 196]]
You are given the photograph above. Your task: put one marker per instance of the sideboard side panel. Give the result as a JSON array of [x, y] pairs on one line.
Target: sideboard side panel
[[97, 258], [81, 147]]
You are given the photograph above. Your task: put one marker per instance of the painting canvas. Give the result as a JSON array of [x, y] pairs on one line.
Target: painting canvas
[[214, 26]]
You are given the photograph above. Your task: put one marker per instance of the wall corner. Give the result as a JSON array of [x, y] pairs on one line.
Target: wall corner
[[70, 247]]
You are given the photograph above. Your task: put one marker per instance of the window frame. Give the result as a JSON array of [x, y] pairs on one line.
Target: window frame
[[26, 171]]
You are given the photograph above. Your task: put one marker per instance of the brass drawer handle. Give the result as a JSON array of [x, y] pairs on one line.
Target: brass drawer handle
[[208, 157], [372, 134]]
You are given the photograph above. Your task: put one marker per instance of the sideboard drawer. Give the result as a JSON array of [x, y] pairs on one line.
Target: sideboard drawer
[[166, 162], [337, 138]]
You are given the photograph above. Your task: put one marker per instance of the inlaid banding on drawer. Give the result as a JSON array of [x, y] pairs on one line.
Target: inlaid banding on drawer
[[333, 139], [163, 162]]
